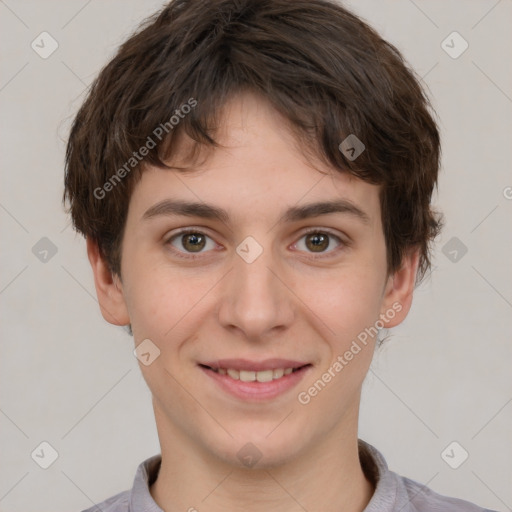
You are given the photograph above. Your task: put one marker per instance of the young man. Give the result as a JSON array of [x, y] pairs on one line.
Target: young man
[[254, 178]]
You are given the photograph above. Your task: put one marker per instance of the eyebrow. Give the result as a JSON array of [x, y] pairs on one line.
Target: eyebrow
[[169, 207]]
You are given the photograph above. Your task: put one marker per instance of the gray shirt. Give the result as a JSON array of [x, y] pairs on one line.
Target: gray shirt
[[393, 493]]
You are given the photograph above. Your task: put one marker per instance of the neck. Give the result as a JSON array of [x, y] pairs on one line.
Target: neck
[[328, 477]]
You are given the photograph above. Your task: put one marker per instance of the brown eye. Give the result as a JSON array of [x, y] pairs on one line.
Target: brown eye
[[188, 242], [193, 242], [317, 242]]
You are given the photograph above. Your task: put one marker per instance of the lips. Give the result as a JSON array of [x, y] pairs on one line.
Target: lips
[[255, 381]]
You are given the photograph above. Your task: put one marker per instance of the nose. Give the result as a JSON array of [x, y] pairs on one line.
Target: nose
[[256, 298]]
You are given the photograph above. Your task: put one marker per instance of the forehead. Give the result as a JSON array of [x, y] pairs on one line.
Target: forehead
[[260, 168]]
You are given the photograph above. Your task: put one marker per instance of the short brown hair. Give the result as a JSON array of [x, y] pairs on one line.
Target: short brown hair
[[324, 69]]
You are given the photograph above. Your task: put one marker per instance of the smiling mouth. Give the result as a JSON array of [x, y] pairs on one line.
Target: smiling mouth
[[255, 376]]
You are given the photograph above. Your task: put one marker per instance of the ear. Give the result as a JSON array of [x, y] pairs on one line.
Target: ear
[[108, 288], [397, 298]]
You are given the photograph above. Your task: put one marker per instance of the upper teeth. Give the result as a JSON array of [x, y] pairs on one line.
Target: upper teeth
[[251, 376]]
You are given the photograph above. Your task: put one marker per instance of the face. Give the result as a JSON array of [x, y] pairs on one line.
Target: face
[[263, 280]]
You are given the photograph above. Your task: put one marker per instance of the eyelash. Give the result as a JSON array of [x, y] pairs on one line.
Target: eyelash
[[188, 231]]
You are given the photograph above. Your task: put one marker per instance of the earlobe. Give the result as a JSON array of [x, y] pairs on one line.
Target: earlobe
[[399, 290], [108, 288]]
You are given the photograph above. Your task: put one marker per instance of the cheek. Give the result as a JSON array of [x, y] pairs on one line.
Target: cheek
[[347, 301], [348, 305], [162, 300]]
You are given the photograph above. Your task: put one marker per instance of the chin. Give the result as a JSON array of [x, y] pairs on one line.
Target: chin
[[257, 450]]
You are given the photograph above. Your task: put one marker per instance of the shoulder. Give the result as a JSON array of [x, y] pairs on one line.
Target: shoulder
[[138, 497], [424, 499], [394, 492], [118, 503]]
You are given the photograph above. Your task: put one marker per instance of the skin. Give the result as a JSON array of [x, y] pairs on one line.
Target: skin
[[284, 304]]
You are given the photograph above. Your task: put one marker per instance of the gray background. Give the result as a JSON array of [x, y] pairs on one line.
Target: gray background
[[70, 379]]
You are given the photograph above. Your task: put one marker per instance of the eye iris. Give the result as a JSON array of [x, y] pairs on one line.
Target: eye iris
[[317, 242], [196, 240]]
